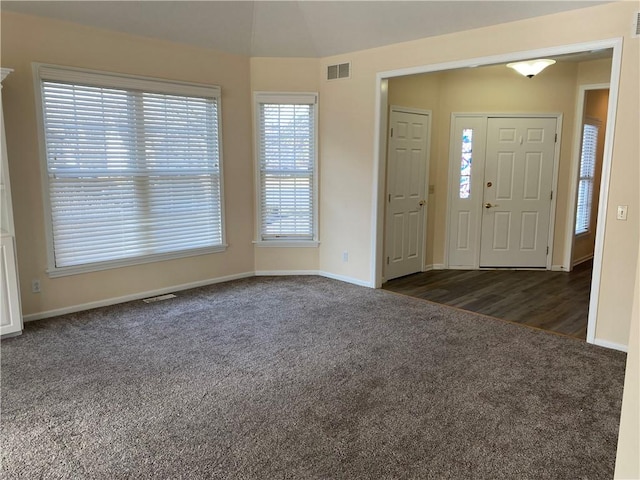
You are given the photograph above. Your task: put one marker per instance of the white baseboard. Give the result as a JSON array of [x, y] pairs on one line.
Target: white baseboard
[[134, 296], [346, 279], [558, 268], [342, 278], [611, 345], [580, 260], [434, 266], [185, 286], [280, 273]]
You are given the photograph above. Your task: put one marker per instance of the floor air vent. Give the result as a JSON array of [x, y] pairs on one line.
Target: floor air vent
[[636, 25], [159, 298], [340, 70]]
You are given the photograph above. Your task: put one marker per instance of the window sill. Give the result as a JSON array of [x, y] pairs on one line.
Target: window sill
[[96, 267], [286, 243]]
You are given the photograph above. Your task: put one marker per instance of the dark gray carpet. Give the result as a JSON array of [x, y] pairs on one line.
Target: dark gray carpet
[[303, 378]]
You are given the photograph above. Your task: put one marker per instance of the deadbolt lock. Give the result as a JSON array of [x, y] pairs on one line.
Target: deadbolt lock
[[489, 184]]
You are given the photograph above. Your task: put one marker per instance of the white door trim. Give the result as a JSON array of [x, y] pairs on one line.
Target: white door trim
[[379, 149], [567, 263], [417, 111], [554, 182], [425, 193], [603, 201]]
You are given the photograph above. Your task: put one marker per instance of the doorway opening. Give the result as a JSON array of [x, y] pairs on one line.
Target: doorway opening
[[591, 127], [438, 214]]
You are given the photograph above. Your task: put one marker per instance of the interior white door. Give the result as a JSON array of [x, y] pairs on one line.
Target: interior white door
[[518, 181], [406, 198]]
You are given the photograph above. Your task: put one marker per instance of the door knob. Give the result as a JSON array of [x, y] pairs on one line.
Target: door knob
[[489, 205], [422, 203]]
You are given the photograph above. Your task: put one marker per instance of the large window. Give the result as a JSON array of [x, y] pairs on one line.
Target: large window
[[286, 158], [133, 169], [585, 182]]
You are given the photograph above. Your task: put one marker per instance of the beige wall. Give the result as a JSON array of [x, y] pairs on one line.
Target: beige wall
[[27, 39], [348, 137], [594, 72], [627, 459], [285, 75], [596, 104], [346, 169]]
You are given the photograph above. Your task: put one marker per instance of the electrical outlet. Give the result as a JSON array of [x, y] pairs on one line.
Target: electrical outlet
[[622, 212], [35, 286], [345, 256]]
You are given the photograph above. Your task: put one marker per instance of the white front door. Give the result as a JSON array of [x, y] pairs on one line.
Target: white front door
[[518, 178], [406, 199]]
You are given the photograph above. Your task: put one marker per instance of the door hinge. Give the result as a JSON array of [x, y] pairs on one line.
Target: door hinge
[[387, 260], [391, 132], [389, 198], [547, 250], [551, 196], [556, 140]]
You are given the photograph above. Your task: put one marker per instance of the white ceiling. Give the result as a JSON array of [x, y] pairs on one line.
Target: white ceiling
[[291, 28]]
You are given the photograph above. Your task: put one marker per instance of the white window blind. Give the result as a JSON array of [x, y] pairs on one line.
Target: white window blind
[[286, 151], [585, 182], [133, 168]]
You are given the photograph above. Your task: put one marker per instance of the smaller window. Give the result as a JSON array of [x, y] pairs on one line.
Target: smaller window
[[465, 163], [585, 182], [286, 135]]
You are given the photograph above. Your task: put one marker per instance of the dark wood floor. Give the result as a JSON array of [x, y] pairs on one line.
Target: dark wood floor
[[556, 301]]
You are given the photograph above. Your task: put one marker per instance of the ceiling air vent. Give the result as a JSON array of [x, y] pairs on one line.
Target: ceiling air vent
[[342, 70], [636, 25]]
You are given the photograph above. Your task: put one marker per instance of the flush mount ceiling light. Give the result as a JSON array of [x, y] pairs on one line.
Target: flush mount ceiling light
[[531, 67]]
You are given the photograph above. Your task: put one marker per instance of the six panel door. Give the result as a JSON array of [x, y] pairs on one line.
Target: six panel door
[[406, 177], [518, 179]]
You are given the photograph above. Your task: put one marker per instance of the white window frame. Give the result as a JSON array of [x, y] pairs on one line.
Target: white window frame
[[284, 98], [49, 72], [588, 122]]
